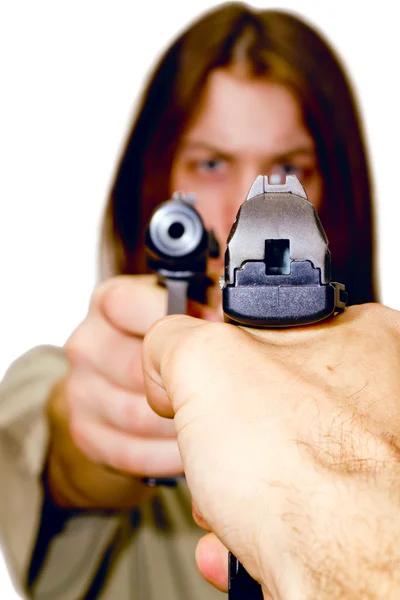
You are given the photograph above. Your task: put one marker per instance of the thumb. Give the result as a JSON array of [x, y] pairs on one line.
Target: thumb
[[183, 358], [160, 361]]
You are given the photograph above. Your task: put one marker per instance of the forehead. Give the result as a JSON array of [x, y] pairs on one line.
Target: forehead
[[247, 115]]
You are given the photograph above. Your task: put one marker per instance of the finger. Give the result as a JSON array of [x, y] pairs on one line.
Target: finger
[[141, 457], [158, 347], [212, 561], [97, 345], [133, 304], [92, 395], [184, 359]]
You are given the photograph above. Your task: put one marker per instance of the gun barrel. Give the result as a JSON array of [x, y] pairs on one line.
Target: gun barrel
[[176, 228]]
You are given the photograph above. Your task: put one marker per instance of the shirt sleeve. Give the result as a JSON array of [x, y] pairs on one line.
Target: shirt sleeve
[[51, 553]]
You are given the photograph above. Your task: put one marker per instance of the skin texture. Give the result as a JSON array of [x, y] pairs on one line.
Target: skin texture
[[104, 436], [301, 426], [100, 419], [103, 430]]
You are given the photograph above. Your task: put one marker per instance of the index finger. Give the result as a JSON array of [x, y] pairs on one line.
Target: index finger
[[132, 303]]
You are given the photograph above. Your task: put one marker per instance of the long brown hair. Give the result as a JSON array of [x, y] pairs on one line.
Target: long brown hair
[[281, 47]]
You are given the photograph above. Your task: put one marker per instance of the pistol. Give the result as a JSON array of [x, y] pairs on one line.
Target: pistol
[[277, 274], [178, 246]]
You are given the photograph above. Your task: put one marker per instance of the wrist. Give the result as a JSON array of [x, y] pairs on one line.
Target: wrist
[[74, 482]]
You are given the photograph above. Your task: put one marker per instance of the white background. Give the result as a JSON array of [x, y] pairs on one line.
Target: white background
[[70, 74]]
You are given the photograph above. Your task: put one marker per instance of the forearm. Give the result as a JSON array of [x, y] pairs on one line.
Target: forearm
[[344, 539]]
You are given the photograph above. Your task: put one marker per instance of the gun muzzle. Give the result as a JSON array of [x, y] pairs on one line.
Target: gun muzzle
[[177, 242]]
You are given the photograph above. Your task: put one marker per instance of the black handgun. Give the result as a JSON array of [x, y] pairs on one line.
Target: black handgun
[[178, 246], [277, 274]]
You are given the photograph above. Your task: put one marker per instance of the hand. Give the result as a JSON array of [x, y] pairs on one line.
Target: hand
[[103, 428], [290, 445]]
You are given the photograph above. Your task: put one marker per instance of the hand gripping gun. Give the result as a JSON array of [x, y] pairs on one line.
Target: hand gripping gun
[[277, 274]]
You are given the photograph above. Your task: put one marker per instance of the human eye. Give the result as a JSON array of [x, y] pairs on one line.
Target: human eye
[[304, 172], [211, 166], [288, 169]]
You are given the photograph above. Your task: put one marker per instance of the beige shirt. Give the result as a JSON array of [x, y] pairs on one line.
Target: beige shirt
[[146, 555]]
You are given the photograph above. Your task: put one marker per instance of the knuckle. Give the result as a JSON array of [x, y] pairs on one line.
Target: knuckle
[[116, 296], [132, 415], [76, 346], [75, 392], [111, 294], [135, 457], [124, 460], [78, 432], [134, 373], [196, 341], [372, 312], [136, 415], [372, 320], [101, 291], [82, 439]]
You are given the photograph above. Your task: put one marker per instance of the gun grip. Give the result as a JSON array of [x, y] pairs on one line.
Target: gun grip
[[241, 585]]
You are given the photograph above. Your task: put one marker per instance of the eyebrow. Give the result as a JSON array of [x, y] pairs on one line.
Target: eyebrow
[[200, 145]]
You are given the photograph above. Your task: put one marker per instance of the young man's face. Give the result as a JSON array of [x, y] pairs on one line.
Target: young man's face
[[244, 128]]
